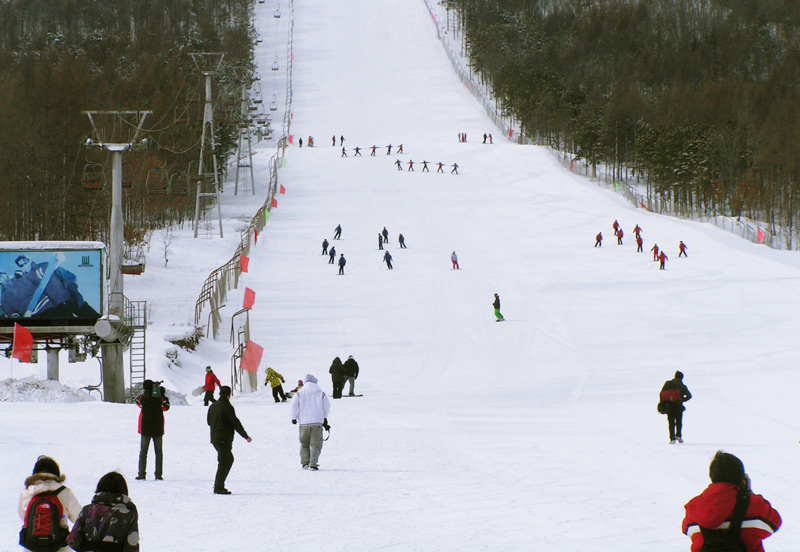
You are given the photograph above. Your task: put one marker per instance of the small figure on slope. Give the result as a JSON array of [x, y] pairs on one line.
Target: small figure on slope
[[275, 380], [496, 306], [598, 240], [387, 257]]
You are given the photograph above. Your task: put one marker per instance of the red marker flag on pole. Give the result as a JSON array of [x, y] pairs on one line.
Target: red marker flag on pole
[[252, 356], [274, 202], [760, 236], [244, 262], [23, 344], [255, 235], [283, 190], [249, 298]]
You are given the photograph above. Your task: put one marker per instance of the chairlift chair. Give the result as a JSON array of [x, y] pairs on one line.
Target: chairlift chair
[[277, 14], [275, 66], [181, 114], [157, 181], [274, 105], [133, 260], [179, 184], [94, 176]]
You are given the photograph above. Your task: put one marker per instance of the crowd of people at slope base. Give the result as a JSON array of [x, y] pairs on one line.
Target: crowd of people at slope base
[[658, 254]]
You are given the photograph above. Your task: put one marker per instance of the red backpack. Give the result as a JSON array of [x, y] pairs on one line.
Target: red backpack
[[42, 531]]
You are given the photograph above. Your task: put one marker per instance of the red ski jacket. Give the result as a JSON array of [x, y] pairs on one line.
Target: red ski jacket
[[714, 508], [211, 379]]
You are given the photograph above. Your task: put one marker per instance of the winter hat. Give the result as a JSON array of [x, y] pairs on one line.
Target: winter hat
[[300, 382], [45, 464], [351, 356], [679, 375], [148, 385], [726, 468], [311, 378]]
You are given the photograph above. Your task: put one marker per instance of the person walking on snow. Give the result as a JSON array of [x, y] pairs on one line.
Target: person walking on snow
[[615, 226], [455, 169], [399, 165], [153, 402], [410, 165], [337, 232], [402, 241], [373, 151], [639, 243], [387, 257], [454, 260], [425, 166], [344, 152], [619, 236], [351, 373], [310, 408], [598, 240], [385, 233], [654, 249], [496, 306], [380, 241], [223, 422], [325, 246], [337, 377], [682, 247], [662, 257], [211, 383], [673, 394], [440, 169], [358, 152], [332, 256], [275, 380], [342, 262]]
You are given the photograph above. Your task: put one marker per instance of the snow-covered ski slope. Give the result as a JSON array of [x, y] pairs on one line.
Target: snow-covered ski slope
[[540, 433]]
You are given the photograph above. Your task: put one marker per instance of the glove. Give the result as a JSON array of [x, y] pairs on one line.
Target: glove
[[266, 382], [294, 422], [325, 425]]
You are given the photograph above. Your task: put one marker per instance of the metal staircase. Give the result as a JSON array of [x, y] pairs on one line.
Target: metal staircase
[[136, 318]]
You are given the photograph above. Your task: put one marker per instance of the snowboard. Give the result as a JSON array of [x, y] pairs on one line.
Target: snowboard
[[199, 391]]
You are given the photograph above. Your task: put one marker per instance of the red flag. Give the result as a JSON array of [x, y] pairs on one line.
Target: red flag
[[244, 262], [760, 236], [572, 164], [249, 298], [274, 202], [23, 344], [283, 190], [291, 139], [255, 235], [252, 356]]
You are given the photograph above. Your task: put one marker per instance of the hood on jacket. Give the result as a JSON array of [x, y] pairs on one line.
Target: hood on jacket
[[38, 478], [714, 505], [310, 388]]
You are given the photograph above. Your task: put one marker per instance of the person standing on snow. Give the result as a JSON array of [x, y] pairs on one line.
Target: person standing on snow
[[325, 246], [332, 256], [639, 243], [211, 383], [310, 407], [727, 510], [615, 226], [619, 236], [385, 233], [455, 169], [337, 377], [410, 164], [654, 249], [637, 230], [334, 140], [673, 394], [682, 247], [454, 260], [275, 379], [439, 169], [662, 258], [351, 373], [373, 150], [358, 152], [425, 167], [389, 149], [223, 422], [496, 306], [342, 262], [337, 232], [598, 240], [399, 165], [388, 260], [153, 402], [400, 149], [380, 241], [402, 241], [341, 140], [300, 141], [344, 152]]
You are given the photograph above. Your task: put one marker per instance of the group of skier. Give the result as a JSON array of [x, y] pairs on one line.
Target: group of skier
[[658, 254], [383, 238], [439, 166]]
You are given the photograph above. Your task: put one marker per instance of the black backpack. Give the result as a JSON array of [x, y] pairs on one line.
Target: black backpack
[[42, 531], [720, 540]]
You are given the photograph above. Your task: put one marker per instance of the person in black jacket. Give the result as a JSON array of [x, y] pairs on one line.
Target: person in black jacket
[[673, 395], [351, 373], [223, 422], [337, 377], [153, 402]]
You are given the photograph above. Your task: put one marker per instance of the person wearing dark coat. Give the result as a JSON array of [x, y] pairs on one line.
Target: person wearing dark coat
[[351, 373], [380, 241], [673, 394], [387, 258], [337, 377], [337, 232], [110, 522], [402, 241], [325, 246], [153, 403], [332, 255], [385, 233], [342, 262], [223, 422]]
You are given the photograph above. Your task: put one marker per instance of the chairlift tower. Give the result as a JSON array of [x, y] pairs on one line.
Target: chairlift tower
[[113, 369], [245, 134], [208, 64]]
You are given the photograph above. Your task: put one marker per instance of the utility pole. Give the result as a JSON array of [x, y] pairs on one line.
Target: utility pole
[[208, 64], [110, 329]]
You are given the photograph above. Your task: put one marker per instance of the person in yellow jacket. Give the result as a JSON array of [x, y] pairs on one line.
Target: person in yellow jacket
[[275, 380]]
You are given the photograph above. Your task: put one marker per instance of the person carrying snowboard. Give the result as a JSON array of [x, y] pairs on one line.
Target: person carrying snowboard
[[275, 380], [211, 383], [496, 306]]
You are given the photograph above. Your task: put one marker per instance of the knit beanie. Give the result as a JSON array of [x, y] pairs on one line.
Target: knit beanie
[[45, 464]]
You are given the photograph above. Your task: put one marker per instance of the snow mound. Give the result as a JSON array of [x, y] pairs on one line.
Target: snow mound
[[33, 389]]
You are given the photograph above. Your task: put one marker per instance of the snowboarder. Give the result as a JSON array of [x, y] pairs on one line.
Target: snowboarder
[[402, 241], [275, 380], [598, 240], [682, 247], [454, 260], [344, 151], [337, 232], [337, 377], [619, 236], [332, 256], [639, 243], [662, 257], [380, 241], [373, 150], [310, 407], [440, 165], [385, 233], [717, 507], [342, 262], [358, 152], [223, 422], [387, 257], [211, 383], [425, 166], [455, 168], [325, 246], [399, 165], [153, 402], [496, 306], [673, 394], [351, 373], [400, 149], [654, 249], [410, 165]]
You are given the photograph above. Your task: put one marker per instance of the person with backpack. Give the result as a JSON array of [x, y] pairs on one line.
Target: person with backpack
[[153, 402], [110, 522], [310, 407], [727, 515], [351, 373], [46, 506], [673, 394]]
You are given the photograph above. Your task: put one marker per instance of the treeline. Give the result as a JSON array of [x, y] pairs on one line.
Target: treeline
[[700, 99], [59, 59]]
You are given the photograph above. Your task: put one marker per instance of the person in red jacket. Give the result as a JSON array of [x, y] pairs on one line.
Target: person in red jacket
[[598, 240], [662, 257], [639, 243], [713, 509], [682, 247], [211, 382], [654, 249], [619, 236]]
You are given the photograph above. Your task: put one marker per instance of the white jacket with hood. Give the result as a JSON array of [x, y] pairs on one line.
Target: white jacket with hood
[[310, 405], [43, 482]]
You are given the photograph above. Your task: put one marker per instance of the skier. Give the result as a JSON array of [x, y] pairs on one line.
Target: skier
[[425, 166], [496, 306], [332, 256], [373, 150], [337, 232], [615, 226], [637, 230], [325, 246], [334, 140], [639, 243], [455, 168], [344, 152], [402, 241], [387, 257], [337, 377], [389, 149], [454, 260], [662, 257], [399, 165], [310, 407], [654, 249], [358, 152], [598, 240], [673, 394], [410, 165], [484, 137], [619, 236], [385, 233], [341, 140], [300, 141], [342, 262], [380, 241], [310, 141], [275, 379], [440, 165], [717, 507], [400, 149], [211, 383], [682, 247]]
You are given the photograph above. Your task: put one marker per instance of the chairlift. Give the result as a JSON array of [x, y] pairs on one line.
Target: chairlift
[[277, 14], [179, 184], [275, 64], [274, 105], [94, 177], [133, 260], [157, 181], [181, 114], [258, 99]]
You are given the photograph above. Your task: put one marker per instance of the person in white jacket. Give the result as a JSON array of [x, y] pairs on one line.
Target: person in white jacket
[[47, 477], [310, 408]]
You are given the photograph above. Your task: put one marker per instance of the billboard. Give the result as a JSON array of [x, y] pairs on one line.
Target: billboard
[[52, 283]]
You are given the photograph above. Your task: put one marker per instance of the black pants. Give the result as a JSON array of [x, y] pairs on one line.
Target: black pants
[[338, 385], [675, 421], [224, 463], [143, 450], [278, 391], [209, 397]]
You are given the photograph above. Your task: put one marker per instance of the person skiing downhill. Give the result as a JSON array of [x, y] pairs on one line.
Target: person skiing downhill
[[358, 152], [439, 169], [455, 169], [410, 164], [337, 232], [334, 140], [615, 226], [399, 165], [341, 140], [637, 230], [682, 247], [387, 257], [344, 151], [654, 249], [639, 243], [373, 151], [402, 241], [425, 166], [496, 306], [389, 149], [380, 241], [332, 256], [662, 257], [385, 233], [400, 148], [598, 240], [342, 262], [454, 260]]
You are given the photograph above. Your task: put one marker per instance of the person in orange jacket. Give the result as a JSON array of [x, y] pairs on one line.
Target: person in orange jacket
[[598, 240], [211, 383], [654, 249], [682, 247], [662, 257]]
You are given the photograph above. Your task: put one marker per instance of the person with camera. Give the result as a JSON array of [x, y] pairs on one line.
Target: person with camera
[[153, 403]]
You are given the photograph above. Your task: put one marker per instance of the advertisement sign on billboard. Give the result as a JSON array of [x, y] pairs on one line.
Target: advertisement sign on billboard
[[58, 285]]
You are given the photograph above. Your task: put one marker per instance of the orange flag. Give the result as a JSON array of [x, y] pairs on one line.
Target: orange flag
[[23, 344], [283, 190], [244, 262], [252, 356], [249, 298]]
